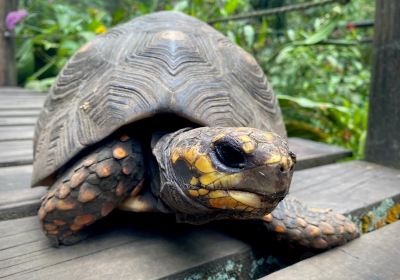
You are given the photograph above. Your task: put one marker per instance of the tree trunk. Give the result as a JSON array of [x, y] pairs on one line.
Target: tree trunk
[[7, 46], [383, 139]]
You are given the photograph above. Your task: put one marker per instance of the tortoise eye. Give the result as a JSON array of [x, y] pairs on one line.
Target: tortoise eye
[[229, 154]]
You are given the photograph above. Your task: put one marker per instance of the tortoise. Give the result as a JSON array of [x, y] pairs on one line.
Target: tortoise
[[164, 113]]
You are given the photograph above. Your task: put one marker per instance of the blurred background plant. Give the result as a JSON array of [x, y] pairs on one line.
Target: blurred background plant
[[318, 63]]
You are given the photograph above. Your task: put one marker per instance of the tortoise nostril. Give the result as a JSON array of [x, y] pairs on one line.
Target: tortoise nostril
[[281, 168], [293, 156]]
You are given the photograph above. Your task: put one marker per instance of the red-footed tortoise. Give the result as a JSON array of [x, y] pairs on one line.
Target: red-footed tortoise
[[164, 113]]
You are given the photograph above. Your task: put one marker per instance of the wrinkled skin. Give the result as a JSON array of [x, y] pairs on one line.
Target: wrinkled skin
[[219, 173]]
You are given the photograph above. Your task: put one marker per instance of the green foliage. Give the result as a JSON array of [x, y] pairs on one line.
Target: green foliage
[[323, 87], [317, 66], [49, 36]]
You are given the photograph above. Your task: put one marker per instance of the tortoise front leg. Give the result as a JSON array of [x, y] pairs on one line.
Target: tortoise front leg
[[310, 227], [91, 189]]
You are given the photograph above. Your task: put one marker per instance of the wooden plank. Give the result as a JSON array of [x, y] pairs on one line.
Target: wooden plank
[[27, 103], [125, 246], [15, 152], [13, 98], [23, 132], [129, 250], [383, 138], [17, 199], [24, 203], [311, 153], [16, 106], [18, 91], [14, 178], [374, 256], [350, 187], [18, 120], [20, 97], [20, 113]]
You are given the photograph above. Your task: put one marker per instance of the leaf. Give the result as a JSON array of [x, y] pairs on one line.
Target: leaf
[[40, 85], [181, 6], [42, 70], [25, 60], [308, 103], [249, 33], [231, 6], [49, 45], [320, 35], [87, 35], [231, 36]]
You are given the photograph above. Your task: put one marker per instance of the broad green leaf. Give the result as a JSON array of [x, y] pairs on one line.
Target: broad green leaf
[[230, 6]]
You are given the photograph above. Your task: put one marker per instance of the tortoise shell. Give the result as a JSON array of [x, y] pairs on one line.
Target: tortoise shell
[[165, 62]]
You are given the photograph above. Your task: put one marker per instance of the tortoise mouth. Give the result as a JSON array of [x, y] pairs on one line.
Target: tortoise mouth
[[237, 200]]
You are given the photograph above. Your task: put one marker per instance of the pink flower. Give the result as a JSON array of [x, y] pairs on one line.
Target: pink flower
[[14, 17], [351, 26]]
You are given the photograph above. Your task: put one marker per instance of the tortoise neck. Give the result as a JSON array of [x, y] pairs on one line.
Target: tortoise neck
[[157, 167]]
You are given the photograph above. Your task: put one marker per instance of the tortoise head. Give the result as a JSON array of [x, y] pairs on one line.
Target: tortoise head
[[216, 173]]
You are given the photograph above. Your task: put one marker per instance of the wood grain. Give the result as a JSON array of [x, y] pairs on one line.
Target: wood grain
[[310, 153], [16, 198], [346, 187], [129, 250], [19, 112], [22, 132], [17, 99], [383, 139], [15, 152], [18, 120], [374, 256]]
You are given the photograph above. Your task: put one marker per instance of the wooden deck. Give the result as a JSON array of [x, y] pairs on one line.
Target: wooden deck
[[374, 256], [134, 246]]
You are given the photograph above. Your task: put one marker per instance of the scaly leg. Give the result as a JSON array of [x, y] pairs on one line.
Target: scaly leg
[[91, 189], [310, 227]]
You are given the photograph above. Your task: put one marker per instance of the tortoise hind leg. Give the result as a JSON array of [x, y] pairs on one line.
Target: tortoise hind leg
[[309, 227], [91, 189]]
